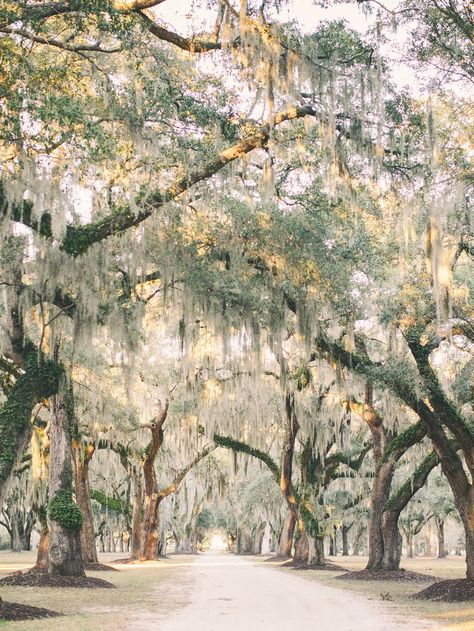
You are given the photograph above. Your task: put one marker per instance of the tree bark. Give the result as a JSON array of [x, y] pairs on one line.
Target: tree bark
[[43, 546], [345, 538], [65, 556], [149, 529], [357, 541], [258, 538], [82, 456], [137, 515], [301, 553], [286, 537], [316, 557], [440, 534], [392, 540]]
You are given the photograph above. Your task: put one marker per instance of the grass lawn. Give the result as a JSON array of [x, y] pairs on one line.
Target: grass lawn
[[142, 592], [450, 616]]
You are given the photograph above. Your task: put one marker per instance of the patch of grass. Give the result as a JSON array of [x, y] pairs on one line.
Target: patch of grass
[[143, 591]]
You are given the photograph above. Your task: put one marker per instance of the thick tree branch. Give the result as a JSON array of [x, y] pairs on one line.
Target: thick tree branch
[[171, 488], [79, 239]]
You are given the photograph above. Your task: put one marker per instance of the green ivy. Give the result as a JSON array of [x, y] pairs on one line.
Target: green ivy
[[39, 381], [65, 511]]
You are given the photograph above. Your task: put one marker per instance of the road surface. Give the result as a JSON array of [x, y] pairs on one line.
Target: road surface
[[222, 592]]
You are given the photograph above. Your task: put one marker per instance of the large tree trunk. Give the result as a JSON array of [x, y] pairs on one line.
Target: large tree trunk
[[137, 516], [357, 540], [316, 557], [301, 553], [149, 536], [149, 530], [43, 545], [468, 523], [345, 538], [392, 540], [258, 538], [42, 556], [286, 537], [380, 495], [82, 456], [440, 534], [65, 543], [16, 544]]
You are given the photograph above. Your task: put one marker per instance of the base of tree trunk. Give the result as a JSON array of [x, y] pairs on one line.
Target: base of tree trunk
[[458, 590], [42, 578], [18, 611], [400, 575]]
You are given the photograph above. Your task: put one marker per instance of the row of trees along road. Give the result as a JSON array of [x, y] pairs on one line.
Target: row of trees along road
[[240, 235]]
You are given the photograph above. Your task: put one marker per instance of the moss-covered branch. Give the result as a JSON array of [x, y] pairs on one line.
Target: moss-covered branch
[[403, 441], [403, 495], [237, 445], [78, 239], [110, 503]]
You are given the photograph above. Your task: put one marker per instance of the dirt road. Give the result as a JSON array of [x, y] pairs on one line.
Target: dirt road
[[227, 593]]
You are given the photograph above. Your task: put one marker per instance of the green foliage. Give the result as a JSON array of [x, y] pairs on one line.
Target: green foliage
[[110, 503], [65, 511], [40, 380]]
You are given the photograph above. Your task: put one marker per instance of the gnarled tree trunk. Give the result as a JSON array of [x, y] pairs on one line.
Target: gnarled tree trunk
[[64, 516]]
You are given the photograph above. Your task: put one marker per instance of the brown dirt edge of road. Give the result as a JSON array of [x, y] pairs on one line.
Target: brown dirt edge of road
[[403, 576], [329, 567], [451, 591], [18, 611]]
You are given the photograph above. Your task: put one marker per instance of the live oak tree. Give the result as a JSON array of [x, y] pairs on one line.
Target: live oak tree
[[132, 174]]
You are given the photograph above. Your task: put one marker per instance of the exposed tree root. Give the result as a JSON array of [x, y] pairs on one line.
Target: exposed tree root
[[458, 590]]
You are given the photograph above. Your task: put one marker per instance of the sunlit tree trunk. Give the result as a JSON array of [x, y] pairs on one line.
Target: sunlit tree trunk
[[149, 526], [286, 537]]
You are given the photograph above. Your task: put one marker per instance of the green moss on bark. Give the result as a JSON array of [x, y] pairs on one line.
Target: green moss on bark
[[65, 511], [39, 381], [111, 503]]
